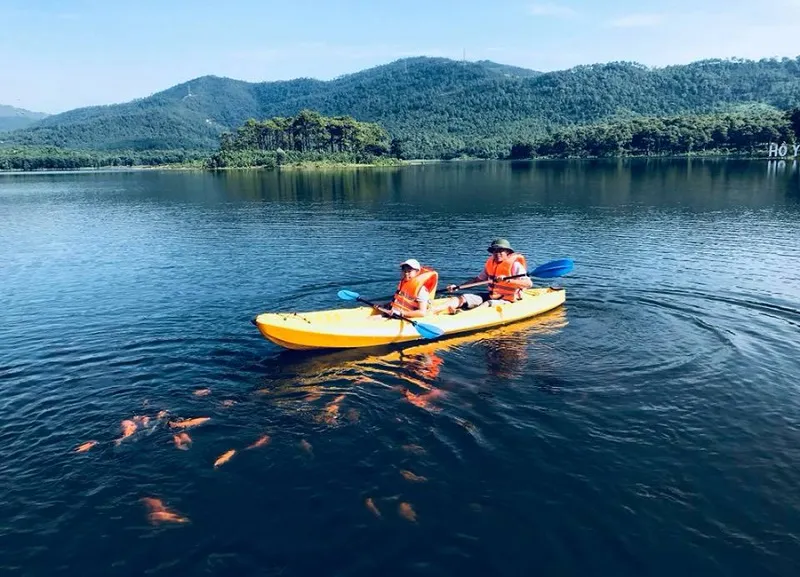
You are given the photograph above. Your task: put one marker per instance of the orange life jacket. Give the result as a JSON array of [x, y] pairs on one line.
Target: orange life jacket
[[408, 290], [503, 290]]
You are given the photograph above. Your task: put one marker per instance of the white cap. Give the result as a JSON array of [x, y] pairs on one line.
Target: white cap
[[413, 263]]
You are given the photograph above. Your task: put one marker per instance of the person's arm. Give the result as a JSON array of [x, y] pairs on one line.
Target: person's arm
[[522, 282], [480, 278], [386, 309]]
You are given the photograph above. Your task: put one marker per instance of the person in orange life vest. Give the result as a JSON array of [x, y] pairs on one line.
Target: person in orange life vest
[[416, 289], [504, 262]]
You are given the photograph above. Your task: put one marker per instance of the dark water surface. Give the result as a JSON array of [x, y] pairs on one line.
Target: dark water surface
[[651, 426]]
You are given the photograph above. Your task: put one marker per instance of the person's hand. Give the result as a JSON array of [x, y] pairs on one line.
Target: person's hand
[[500, 278], [452, 287]]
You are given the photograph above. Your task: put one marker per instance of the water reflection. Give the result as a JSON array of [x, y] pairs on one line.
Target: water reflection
[[507, 358], [461, 187]]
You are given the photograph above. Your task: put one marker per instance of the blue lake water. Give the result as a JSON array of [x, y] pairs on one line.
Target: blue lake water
[[651, 426]]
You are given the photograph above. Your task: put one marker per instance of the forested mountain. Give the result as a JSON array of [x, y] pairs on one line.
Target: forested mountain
[[432, 106], [12, 118]]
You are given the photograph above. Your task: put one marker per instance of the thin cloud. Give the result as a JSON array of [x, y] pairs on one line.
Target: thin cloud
[[637, 21], [550, 9]]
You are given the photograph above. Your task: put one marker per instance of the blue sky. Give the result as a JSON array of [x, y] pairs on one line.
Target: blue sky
[[62, 54]]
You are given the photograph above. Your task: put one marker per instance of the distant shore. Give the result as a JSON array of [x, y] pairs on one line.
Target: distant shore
[[313, 166], [306, 165]]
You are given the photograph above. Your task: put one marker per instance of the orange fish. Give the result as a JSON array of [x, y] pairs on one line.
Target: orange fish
[[371, 506], [416, 449], [264, 440], [311, 397], [415, 400], [325, 417], [154, 504], [407, 512], [330, 414], [202, 392], [166, 517], [85, 447], [338, 399], [128, 428], [142, 420], [224, 458], [409, 476], [306, 446], [188, 423], [228, 403], [422, 401], [161, 414], [183, 441], [158, 513]]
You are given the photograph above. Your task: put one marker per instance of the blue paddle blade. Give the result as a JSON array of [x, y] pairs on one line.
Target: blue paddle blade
[[554, 268], [428, 331], [347, 295]]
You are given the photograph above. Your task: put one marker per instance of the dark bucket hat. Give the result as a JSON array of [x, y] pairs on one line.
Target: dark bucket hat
[[500, 243]]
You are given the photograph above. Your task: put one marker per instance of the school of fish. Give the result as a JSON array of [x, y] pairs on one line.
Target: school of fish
[[158, 512]]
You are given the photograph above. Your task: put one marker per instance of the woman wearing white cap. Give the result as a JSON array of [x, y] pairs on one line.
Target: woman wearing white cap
[[416, 289]]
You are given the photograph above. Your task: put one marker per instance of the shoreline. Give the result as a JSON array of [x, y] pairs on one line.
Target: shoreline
[[322, 166]]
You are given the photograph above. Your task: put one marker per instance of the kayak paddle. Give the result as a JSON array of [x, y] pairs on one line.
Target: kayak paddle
[[425, 330], [552, 269]]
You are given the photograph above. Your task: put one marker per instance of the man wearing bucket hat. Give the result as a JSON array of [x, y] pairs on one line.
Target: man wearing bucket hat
[[503, 262], [416, 289]]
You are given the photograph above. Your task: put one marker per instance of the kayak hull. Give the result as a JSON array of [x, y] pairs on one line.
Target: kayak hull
[[365, 327]]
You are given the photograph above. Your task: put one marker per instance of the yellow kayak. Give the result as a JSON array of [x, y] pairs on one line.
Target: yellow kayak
[[365, 327]]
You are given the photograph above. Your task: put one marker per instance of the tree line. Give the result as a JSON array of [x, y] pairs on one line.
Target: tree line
[[54, 158], [308, 136], [741, 133]]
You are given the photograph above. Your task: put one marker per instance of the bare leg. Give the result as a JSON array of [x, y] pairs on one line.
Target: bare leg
[[450, 305], [467, 300]]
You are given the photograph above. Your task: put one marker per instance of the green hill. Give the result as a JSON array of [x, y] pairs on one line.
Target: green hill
[[432, 105], [12, 118]]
